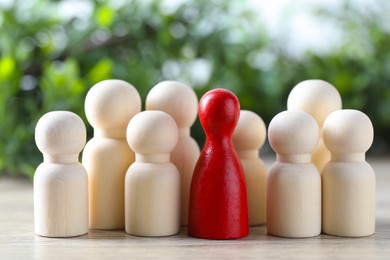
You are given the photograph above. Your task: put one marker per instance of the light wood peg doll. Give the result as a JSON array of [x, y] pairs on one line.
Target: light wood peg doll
[[60, 182], [109, 106], [348, 180], [293, 182], [152, 185]]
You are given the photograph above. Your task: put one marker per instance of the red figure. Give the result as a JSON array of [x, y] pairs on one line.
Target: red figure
[[218, 207]]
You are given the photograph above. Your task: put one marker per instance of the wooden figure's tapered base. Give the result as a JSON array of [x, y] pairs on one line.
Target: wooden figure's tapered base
[[106, 161], [60, 200], [218, 206], [294, 200], [223, 221], [152, 199], [348, 199]]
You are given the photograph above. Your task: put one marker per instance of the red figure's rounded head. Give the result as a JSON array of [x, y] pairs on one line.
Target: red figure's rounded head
[[219, 110]]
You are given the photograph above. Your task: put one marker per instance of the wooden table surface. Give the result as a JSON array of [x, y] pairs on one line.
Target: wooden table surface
[[18, 241]]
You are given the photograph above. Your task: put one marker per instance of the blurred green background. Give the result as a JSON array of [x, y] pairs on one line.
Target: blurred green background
[[52, 52]]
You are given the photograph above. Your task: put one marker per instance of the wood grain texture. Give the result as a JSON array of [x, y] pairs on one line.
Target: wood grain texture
[[17, 239]]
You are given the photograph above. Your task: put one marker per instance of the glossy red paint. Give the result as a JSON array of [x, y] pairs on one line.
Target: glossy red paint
[[218, 207]]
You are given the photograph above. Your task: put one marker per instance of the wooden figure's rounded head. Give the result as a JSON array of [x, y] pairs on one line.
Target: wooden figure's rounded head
[[348, 131], [250, 132], [219, 110], [176, 99], [293, 132], [152, 132], [111, 104], [316, 97], [60, 133]]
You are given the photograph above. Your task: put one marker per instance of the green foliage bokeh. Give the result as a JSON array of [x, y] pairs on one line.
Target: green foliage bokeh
[[49, 60]]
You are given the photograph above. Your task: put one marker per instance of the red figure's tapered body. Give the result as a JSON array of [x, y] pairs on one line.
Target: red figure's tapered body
[[218, 207]]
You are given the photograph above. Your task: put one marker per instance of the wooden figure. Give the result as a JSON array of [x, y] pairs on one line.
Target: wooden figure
[[152, 185], [109, 106], [218, 207], [248, 137], [318, 98], [180, 102], [293, 182], [348, 180], [60, 182]]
